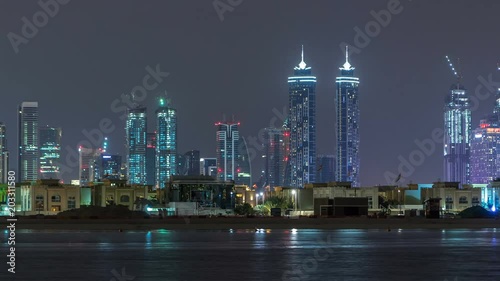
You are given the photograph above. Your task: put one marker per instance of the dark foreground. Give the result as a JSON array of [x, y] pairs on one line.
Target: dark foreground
[[272, 254]]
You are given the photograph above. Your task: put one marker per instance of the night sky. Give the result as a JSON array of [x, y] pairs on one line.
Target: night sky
[[91, 52]]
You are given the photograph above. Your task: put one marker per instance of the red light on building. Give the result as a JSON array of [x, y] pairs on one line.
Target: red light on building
[[484, 125]]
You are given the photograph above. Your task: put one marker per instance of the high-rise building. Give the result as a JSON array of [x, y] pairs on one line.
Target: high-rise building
[[50, 152], [326, 168], [347, 126], [28, 142], [4, 154], [89, 165], [244, 165], [192, 162], [485, 148], [110, 166], [228, 138], [302, 125], [457, 135], [166, 142], [208, 167], [275, 149], [136, 130], [151, 159]]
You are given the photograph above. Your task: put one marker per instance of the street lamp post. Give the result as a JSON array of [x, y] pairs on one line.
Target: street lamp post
[[294, 200], [399, 200], [256, 199], [262, 196]]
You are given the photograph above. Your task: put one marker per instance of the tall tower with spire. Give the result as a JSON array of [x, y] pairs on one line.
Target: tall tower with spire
[[302, 125], [457, 132], [347, 126]]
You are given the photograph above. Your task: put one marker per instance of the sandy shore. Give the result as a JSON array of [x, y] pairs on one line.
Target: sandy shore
[[251, 223]]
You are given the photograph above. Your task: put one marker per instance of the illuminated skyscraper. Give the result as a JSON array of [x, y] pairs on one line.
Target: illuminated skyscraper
[[457, 133], [208, 167], [485, 148], [110, 166], [4, 154], [89, 164], [244, 165], [347, 127], [326, 168], [28, 142], [50, 152], [193, 162], [302, 125], [151, 159], [228, 138], [136, 145], [166, 142], [275, 149]]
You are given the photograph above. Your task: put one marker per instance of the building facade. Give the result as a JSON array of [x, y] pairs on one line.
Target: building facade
[[302, 125], [347, 126], [275, 150], [208, 167], [28, 158], [4, 154], [244, 165], [193, 162], [228, 138], [89, 159], [326, 168], [457, 135], [166, 143], [110, 167], [50, 152], [484, 156], [136, 130], [151, 159]]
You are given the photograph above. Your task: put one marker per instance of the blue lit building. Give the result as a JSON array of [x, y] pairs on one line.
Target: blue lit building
[[136, 130], [166, 143], [28, 142], [50, 152], [302, 125], [151, 159], [457, 135], [208, 167], [4, 154], [326, 168], [110, 167], [347, 127], [485, 148], [228, 138]]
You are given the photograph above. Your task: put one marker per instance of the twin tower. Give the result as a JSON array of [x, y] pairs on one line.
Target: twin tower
[[302, 125]]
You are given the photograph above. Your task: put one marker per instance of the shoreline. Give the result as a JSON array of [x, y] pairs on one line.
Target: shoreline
[[252, 223]]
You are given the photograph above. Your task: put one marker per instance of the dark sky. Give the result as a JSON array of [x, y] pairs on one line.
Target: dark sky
[[91, 52]]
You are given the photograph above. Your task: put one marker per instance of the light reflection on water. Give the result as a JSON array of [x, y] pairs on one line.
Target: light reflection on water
[[249, 254]]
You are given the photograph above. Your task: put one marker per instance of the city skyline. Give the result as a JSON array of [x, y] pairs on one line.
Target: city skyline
[[420, 82]]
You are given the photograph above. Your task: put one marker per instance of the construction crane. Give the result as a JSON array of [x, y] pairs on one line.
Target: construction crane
[[456, 71]]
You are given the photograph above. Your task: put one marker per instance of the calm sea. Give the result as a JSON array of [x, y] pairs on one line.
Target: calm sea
[[272, 254]]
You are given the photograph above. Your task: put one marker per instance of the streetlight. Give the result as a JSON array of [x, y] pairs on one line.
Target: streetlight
[[294, 200], [256, 199], [262, 196], [399, 200]]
